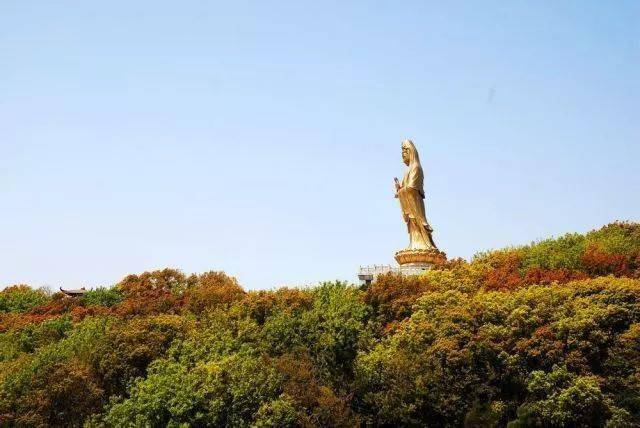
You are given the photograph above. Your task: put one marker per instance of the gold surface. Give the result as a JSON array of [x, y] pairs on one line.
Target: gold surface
[[430, 256], [410, 193]]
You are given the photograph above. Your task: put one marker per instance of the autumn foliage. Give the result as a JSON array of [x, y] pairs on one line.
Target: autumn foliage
[[543, 335]]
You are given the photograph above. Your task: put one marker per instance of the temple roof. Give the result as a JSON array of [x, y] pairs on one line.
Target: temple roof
[[76, 292]]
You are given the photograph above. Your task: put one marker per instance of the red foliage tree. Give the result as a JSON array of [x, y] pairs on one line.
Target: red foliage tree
[[153, 292], [167, 279], [597, 262], [392, 295], [548, 276], [506, 272], [148, 302]]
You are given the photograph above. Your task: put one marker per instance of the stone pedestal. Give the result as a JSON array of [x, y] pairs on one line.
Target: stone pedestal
[[414, 268]]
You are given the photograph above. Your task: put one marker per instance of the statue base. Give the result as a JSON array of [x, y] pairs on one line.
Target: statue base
[[420, 258], [412, 262]]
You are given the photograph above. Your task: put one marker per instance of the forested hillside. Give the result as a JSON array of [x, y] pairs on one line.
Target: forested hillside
[[542, 335]]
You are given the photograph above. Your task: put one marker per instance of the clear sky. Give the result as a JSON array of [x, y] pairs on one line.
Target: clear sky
[[262, 138]]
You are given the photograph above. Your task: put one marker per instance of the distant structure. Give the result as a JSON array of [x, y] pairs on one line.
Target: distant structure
[[422, 253], [74, 293], [366, 274]]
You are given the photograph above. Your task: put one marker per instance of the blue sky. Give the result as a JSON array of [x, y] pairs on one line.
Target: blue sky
[[262, 138]]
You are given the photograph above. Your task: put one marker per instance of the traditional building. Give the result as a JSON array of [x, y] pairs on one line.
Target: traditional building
[[74, 293]]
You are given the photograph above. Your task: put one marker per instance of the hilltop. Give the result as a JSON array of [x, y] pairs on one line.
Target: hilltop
[[546, 334]]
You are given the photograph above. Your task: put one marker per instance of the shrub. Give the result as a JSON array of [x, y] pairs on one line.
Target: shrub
[[21, 298], [130, 346], [233, 391], [33, 389], [102, 297]]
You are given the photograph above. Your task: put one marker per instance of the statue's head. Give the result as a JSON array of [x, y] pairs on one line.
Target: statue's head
[[409, 153]]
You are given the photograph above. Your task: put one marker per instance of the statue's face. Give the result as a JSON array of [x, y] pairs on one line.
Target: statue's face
[[405, 155]]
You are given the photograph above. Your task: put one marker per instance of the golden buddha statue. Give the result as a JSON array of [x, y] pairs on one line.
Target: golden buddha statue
[[410, 193]]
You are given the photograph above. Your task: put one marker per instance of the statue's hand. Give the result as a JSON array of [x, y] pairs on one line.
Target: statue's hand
[[397, 183]]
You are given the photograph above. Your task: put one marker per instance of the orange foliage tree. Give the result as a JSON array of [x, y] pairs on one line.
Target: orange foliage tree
[[210, 290]]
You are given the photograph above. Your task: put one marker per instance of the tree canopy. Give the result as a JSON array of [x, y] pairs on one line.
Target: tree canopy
[[543, 335]]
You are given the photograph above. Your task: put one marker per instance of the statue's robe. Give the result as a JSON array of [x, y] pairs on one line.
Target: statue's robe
[[411, 196]]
